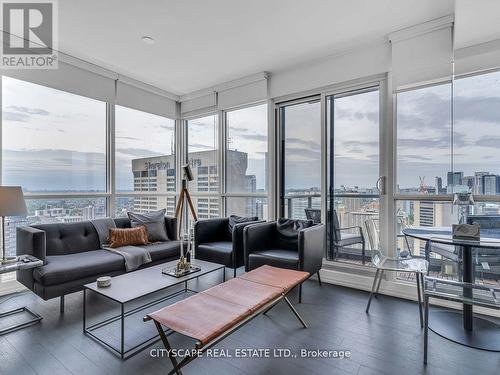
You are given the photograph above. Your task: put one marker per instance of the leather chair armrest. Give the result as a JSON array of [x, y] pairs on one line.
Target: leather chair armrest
[[171, 227], [31, 241], [238, 249], [312, 248], [211, 230], [257, 237]]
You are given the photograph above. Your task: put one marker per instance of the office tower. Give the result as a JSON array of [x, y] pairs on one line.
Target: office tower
[[438, 184], [490, 184], [157, 174], [469, 182], [478, 182]]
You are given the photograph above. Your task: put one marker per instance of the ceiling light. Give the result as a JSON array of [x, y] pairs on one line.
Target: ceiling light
[[148, 40]]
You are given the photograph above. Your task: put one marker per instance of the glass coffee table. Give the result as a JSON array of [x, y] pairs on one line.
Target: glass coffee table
[[128, 289]]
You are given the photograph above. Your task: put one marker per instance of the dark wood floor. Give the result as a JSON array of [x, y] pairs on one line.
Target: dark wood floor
[[388, 341]]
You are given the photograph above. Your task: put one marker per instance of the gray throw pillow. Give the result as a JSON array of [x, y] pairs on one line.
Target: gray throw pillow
[[233, 220], [154, 222]]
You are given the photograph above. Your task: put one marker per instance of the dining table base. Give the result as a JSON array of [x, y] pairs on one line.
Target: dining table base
[[449, 324]]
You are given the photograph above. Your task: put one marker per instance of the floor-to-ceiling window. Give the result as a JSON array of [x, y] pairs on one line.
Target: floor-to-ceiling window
[[246, 161], [145, 172], [437, 157], [203, 157], [300, 146], [353, 130], [54, 146]]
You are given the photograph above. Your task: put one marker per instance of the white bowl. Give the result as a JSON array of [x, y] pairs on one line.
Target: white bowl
[[104, 281]]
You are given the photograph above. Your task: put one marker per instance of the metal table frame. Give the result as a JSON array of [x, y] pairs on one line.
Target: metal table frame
[[19, 265], [447, 323], [121, 352]]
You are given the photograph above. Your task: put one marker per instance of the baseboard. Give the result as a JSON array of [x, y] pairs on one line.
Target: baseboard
[[362, 279]]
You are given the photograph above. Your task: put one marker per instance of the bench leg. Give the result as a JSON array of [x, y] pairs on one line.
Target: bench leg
[[176, 369], [295, 312], [300, 293], [61, 305], [319, 279]]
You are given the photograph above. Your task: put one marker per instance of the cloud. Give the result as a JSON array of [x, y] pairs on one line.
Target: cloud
[[200, 147], [129, 138], [28, 111], [14, 116], [140, 152], [307, 143], [491, 141]]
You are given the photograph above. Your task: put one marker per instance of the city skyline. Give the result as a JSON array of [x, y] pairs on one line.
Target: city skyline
[[60, 162]]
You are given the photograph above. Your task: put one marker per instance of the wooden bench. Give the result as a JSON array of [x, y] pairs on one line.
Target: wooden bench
[[210, 316]]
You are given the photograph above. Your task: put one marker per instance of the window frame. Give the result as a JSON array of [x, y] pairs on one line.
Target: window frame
[[225, 195]]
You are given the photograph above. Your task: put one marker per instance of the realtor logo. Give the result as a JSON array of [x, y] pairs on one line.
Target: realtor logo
[[29, 34]]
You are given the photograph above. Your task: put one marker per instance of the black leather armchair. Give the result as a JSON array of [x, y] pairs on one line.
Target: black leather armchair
[[264, 244], [214, 243]]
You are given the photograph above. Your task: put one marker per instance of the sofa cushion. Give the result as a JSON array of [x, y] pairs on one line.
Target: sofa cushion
[[233, 220], [64, 268], [154, 222], [128, 236], [70, 238], [163, 250], [282, 258], [217, 252]]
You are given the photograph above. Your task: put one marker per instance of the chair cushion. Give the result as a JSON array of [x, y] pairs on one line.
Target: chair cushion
[[63, 268], [288, 232], [154, 222], [282, 258], [220, 252], [163, 250], [233, 220], [347, 239], [245, 293]]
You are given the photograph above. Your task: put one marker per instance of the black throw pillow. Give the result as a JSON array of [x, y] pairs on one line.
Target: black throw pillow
[[288, 232], [233, 220], [154, 222]]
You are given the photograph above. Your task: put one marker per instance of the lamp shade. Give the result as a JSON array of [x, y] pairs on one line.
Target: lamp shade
[[12, 201]]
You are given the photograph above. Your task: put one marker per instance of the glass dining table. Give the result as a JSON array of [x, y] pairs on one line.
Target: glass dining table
[[464, 328]]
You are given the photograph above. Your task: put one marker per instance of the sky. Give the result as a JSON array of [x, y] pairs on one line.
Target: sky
[[56, 141]]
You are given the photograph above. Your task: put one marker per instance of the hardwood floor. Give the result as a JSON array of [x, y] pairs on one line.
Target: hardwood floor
[[388, 341]]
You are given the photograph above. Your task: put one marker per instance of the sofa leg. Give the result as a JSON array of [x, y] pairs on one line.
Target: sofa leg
[[300, 293], [319, 279], [61, 305]]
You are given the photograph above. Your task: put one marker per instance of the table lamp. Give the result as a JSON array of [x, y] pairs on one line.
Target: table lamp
[[11, 204]]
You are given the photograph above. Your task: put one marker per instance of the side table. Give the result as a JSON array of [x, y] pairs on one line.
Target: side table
[[23, 262]]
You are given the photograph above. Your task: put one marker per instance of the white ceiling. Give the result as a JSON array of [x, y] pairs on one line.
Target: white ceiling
[[200, 43]]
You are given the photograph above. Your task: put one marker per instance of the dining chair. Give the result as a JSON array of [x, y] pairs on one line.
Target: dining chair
[[384, 263]]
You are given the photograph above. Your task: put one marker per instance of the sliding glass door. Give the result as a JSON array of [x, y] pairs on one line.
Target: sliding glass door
[[353, 132], [300, 149]]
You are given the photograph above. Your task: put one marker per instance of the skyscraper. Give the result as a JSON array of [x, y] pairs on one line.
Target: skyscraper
[[490, 184]]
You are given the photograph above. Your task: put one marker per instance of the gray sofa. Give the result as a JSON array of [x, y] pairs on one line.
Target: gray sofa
[[72, 256]]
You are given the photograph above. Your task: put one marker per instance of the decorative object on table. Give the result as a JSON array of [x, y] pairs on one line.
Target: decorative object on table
[[24, 262], [11, 204], [181, 269], [466, 231], [463, 201], [179, 209], [103, 282]]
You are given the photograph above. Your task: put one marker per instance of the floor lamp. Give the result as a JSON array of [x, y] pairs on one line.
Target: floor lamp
[[185, 196], [11, 204]]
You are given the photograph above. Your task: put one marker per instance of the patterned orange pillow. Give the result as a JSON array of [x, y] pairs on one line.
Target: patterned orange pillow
[[128, 236]]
